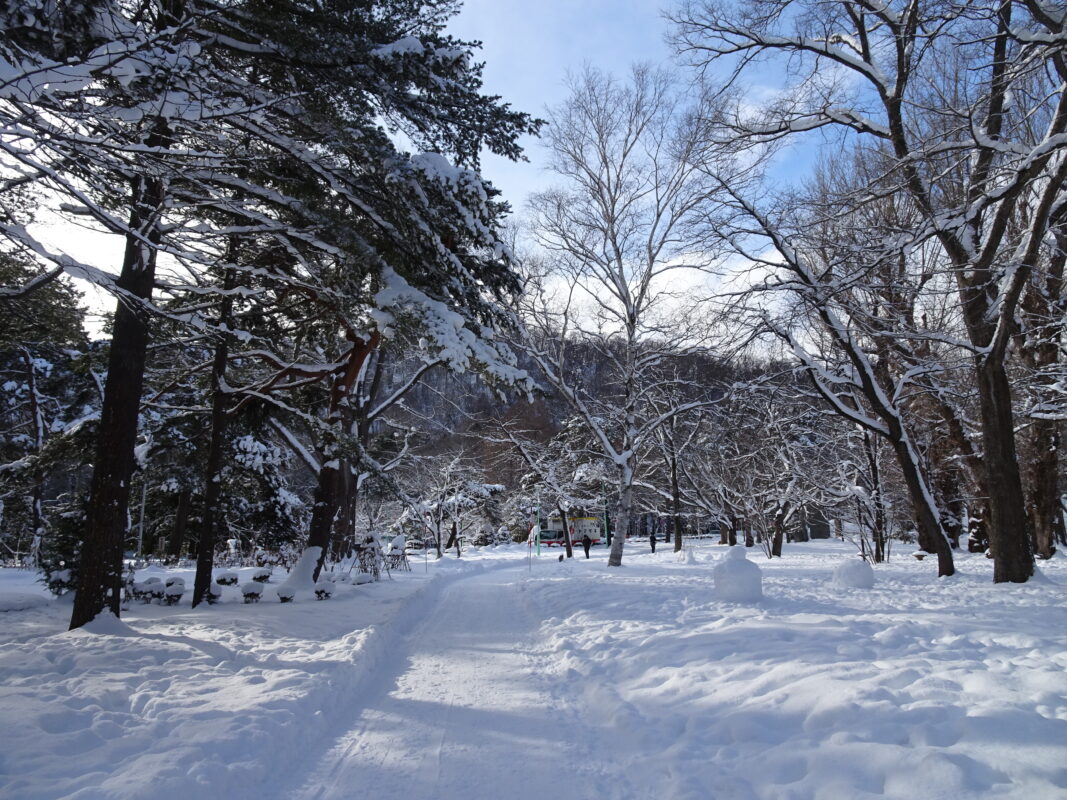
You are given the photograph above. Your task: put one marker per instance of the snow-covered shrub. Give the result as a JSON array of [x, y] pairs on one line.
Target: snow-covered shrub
[[737, 579], [853, 574], [174, 580], [262, 575], [286, 594], [227, 578], [214, 593], [173, 592], [252, 591], [323, 590], [149, 589]]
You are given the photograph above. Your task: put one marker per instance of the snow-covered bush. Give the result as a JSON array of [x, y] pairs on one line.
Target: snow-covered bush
[[227, 578], [323, 590], [252, 591], [262, 575], [173, 592], [149, 589], [853, 574], [737, 579], [214, 593], [286, 594]]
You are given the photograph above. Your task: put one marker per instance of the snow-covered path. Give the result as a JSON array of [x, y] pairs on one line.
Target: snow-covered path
[[464, 709]]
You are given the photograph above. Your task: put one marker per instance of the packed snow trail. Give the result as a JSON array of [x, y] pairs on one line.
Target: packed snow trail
[[465, 712]]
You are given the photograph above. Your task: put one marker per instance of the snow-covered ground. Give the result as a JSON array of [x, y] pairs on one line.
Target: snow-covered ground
[[486, 678]]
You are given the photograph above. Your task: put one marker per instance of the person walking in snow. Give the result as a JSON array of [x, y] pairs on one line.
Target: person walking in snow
[[586, 542], [652, 540]]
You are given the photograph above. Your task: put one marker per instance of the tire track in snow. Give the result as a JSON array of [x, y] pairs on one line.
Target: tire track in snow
[[461, 708]]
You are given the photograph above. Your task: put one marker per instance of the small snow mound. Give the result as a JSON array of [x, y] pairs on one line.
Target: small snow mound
[[737, 579], [686, 556], [106, 623], [853, 574]]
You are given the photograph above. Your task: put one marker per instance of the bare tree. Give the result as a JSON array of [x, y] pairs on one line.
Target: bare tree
[[616, 233]]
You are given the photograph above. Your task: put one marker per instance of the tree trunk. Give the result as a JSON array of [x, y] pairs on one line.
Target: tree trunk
[[927, 517], [567, 538], [181, 525], [328, 491], [212, 522], [1042, 474], [779, 533], [676, 506], [100, 571], [1009, 537], [622, 525]]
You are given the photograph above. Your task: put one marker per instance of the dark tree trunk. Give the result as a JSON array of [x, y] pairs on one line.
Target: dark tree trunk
[[324, 511], [209, 530], [877, 499], [181, 524], [779, 534], [676, 506], [1042, 480], [328, 491], [100, 572], [1009, 537]]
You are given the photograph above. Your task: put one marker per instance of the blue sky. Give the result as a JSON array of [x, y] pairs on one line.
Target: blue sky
[[531, 45]]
